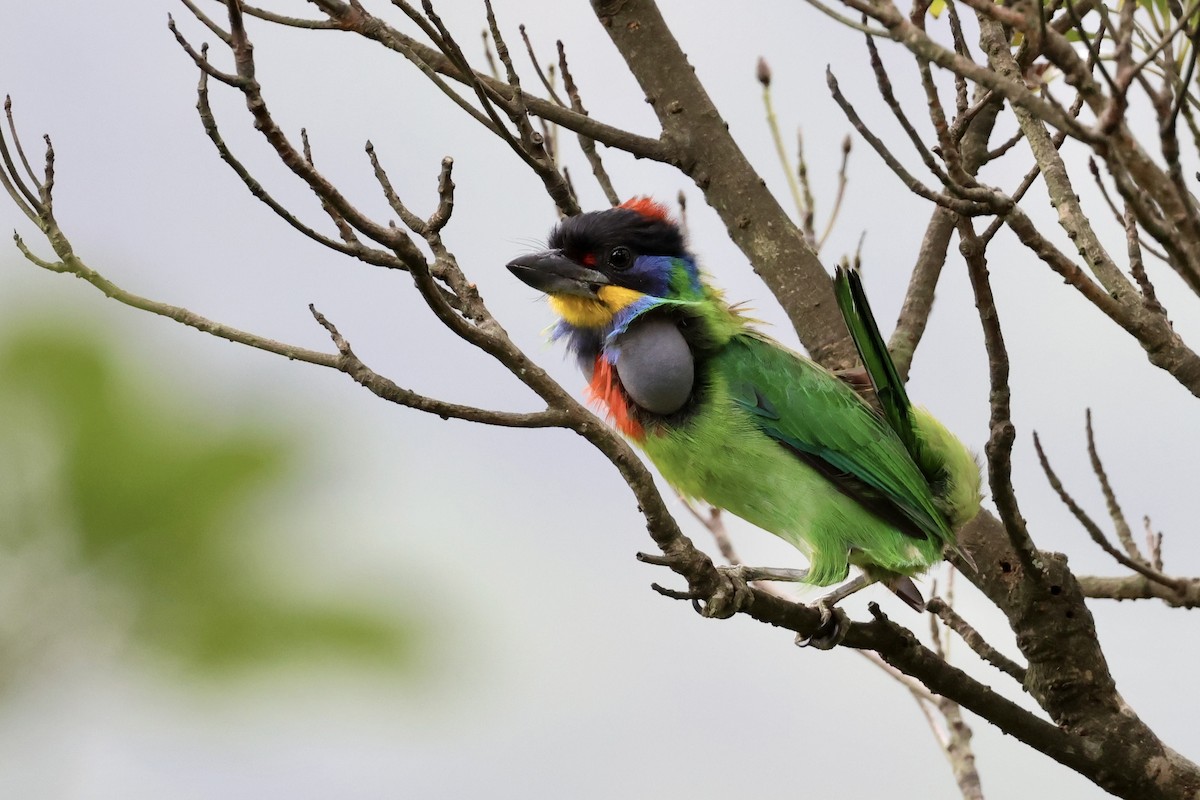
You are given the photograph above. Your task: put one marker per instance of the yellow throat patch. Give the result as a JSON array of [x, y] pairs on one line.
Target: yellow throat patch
[[587, 312]]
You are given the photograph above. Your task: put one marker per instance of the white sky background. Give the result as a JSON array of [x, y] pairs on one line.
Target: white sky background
[[560, 673]]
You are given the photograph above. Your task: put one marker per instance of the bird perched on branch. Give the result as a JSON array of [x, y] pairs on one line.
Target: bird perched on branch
[[737, 420]]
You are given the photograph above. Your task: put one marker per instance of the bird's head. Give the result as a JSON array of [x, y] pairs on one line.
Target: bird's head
[[603, 268]]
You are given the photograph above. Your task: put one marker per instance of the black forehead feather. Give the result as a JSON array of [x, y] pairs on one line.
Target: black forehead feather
[[590, 232]]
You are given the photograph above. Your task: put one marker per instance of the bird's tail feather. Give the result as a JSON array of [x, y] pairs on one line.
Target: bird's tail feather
[[886, 380], [872, 349]]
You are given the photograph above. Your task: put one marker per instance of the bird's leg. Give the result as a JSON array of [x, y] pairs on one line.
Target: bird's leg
[[832, 630], [857, 583], [745, 573], [734, 594]]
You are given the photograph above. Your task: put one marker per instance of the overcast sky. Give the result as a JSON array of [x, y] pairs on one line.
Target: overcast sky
[[559, 673]]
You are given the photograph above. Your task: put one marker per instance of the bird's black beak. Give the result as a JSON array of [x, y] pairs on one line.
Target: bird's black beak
[[553, 273]]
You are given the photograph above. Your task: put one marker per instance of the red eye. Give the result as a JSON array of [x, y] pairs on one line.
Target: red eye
[[589, 260]]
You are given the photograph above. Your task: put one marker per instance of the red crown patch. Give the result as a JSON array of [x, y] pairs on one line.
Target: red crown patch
[[648, 207]]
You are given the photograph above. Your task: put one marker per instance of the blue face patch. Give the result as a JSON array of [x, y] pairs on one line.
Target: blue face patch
[[668, 277], [649, 274]]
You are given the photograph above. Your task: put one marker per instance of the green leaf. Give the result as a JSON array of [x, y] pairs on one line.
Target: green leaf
[[151, 500]]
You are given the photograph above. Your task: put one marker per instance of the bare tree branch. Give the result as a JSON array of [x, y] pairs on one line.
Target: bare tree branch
[[1139, 587], [586, 143], [954, 622], [999, 446], [1120, 524], [1094, 530], [707, 153], [1090, 728]]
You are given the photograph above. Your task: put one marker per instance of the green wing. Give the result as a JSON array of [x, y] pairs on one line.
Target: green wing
[[889, 388], [822, 421]]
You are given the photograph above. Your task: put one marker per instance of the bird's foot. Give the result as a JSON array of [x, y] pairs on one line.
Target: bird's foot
[[834, 622], [833, 628], [732, 594]]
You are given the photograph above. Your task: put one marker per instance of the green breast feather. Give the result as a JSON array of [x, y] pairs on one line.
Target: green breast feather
[[784, 444]]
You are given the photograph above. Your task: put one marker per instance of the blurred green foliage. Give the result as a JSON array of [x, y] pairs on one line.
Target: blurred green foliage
[[127, 507]]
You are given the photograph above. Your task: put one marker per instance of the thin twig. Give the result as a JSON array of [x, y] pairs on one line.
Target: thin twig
[[808, 217], [1057, 140], [537, 67], [12, 129], [1139, 587], [370, 255], [954, 203], [974, 640], [1154, 541], [1137, 266], [411, 220], [586, 143], [1094, 531], [1005, 146], [922, 286], [344, 229], [489, 55], [762, 72], [919, 692], [220, 32], [884, 83], [1003, 433], [840, 195], [1120, 524], [291, 22], [953, 737], [432, 61], [22, 196]]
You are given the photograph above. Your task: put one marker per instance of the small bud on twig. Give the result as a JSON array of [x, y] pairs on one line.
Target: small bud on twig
[[763, 72]]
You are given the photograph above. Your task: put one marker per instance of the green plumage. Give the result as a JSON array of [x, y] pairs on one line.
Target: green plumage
[[741, 451], [786, 445], [742, 422]]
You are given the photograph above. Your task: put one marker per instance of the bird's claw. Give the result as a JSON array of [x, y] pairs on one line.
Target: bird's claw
[[732, 595], [832, 630]]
